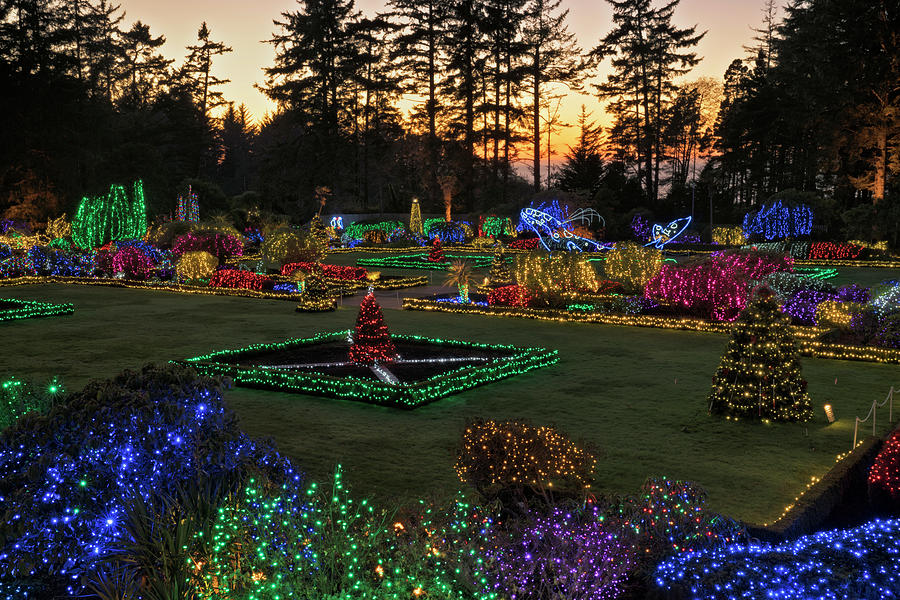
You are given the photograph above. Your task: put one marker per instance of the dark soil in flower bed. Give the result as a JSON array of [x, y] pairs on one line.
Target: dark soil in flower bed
[[336, 352], [9, 304]]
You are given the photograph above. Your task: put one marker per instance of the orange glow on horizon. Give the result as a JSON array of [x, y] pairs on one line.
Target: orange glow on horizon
[[244, 26]]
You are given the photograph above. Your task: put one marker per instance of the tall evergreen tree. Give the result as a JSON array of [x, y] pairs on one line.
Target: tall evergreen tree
[[314, 82], [420, 53], [198, 68], [554, 57], [143, 68], [647, 53], [583, 170]]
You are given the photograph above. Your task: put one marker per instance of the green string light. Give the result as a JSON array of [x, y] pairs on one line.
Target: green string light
[[115, 217], [405, 395]]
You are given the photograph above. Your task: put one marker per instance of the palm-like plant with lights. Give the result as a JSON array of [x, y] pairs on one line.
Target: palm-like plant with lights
[[460, 274]]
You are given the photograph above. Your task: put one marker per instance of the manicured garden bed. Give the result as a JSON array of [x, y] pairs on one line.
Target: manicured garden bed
[[426, 369], [638, 394]]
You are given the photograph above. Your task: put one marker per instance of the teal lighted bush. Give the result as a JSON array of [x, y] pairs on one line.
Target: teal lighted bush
[[114, 217]]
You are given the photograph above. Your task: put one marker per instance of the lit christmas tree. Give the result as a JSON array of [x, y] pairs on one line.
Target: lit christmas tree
[[415, 217], [499, 273], [436, 254], [371, 340], [318, 231], [759, 376]]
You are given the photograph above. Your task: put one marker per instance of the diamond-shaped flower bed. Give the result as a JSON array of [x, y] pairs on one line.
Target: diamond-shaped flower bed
[[425, 369], [26, 309]]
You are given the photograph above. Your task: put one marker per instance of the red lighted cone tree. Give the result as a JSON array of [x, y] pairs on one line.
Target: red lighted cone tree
[[371, 340], [436, 254]]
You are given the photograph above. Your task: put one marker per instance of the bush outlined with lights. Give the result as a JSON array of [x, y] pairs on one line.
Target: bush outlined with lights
[[95, 451], [11, 309], [505, 361]]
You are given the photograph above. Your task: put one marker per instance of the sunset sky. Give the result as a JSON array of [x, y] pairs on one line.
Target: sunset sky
[[243, 24]]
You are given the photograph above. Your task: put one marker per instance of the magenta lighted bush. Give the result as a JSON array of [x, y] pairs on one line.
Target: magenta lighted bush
[[218, 244], [717, 288], [133, 262]]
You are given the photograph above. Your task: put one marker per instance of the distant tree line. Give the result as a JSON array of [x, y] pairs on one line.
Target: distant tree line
[[812, 108]]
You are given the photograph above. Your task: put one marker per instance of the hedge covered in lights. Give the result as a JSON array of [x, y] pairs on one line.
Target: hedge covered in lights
[[717, 288], [884, 476], [861, 563]]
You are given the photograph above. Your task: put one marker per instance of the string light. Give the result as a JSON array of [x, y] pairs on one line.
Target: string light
[[188, 209], [436, 254], [232, 278], [633, 265], [510, 361], [115, 217], [415, 217], [516, 454], [371, 339], [777, 220], [884, 476], [854, 563], [196, 264], [509, 295], [327, 270], [358, 229], [731, 235], [496, 227], [759, 375], [222, 246], [555, 272], [132, 262], [832, 250], [11, 309]]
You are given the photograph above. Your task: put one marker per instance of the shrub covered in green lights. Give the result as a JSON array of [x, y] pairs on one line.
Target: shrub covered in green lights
[[114, 217]]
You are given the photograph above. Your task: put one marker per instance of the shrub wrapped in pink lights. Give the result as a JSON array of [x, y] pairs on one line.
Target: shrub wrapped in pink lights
[[717, 288], [218, 244], [133, 262]]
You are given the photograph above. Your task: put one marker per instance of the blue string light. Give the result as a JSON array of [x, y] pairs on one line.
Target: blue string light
[[863, 562], [777, 220]]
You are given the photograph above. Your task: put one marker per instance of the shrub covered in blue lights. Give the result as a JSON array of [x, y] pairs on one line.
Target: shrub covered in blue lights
[[450, 232], [68, 478], [776, 220], [860, 563]]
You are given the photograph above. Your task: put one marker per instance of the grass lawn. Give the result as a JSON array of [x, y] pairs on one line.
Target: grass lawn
[[637, 394]]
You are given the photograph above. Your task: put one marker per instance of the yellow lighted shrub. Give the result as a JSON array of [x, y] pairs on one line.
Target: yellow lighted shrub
[[836, 314], [632, 265], [732, 235], [196, 265], [289, 245], [557, 272]]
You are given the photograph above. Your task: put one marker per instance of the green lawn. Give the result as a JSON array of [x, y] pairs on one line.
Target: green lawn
[[637, 394]]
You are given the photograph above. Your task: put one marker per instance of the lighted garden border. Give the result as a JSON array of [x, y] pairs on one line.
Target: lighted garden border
[[420, 260], [406, 396], [807, 340], [28, 309], [141, 285]]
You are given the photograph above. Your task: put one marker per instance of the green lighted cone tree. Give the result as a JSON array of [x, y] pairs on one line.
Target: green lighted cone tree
[[759, 376], [115, 217]]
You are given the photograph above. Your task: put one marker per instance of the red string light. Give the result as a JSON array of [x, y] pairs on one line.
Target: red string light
[[371, 339]]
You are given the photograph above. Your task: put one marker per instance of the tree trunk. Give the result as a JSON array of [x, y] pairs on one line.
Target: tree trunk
[[536, 74]]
